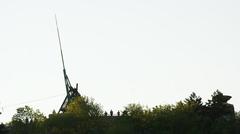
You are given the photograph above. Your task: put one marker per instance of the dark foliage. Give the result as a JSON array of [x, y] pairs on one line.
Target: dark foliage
[[189, 116]]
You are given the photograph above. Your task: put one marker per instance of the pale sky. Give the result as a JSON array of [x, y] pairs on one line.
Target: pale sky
[[130, 51]]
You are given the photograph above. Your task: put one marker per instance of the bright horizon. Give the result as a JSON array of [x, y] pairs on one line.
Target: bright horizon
[[149, 52]]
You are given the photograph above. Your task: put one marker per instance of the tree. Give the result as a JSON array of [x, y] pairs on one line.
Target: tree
[[27, 121], [81, 116], [137, 114], [26, 113], [84, 107], [134, 110], [3, 129], [194, 100]]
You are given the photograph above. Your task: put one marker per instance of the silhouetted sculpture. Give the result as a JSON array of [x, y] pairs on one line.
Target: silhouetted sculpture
[[118, 113], [111, 113], [229, 108], [219, 108], [72, 92]]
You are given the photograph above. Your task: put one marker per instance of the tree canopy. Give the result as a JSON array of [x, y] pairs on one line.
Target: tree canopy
[[84, 116], [84, 107], [27, 113]]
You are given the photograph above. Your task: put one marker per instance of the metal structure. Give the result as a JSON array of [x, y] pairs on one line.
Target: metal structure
[[72, 92]]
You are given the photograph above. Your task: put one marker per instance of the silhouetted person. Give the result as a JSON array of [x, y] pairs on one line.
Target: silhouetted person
[[118, 113], [26, 121], [105, 113], [111, 113], [31, 121]]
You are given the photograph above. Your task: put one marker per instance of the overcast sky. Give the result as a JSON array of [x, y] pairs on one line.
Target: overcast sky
[[128, 51]]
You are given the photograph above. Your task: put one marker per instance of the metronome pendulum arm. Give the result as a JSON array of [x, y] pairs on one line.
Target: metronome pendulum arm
[[71, 91]]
